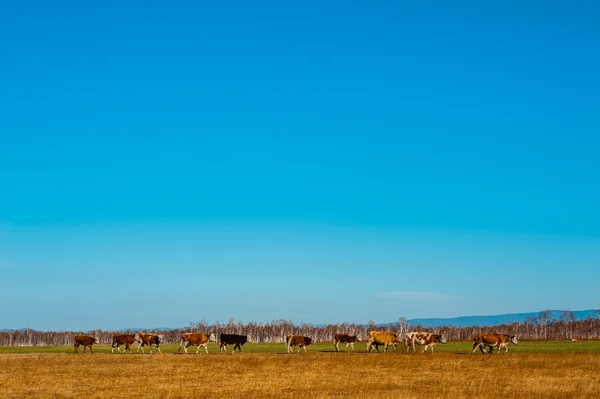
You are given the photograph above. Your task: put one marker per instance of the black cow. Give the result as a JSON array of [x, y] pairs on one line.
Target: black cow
[[233, 339]]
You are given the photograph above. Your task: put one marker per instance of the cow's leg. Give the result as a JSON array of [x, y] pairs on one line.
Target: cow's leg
[[158, 349], [221, 349], [184, 347], [75, 348], [336, 344], [91, 350], [206, 348], [347, 345]]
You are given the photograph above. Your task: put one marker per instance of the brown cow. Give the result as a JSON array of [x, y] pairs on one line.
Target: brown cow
[[150, 340], [302, 342], [84, 340], [196, 339], [423, 338], [386, 339], [349, 340], [493, 339], [124, 339]]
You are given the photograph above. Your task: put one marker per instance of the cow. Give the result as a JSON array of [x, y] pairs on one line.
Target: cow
[[423, 338], [233, 339], [124, 339], [84, 340], [197, 339], [386, 339], [349, 340], [493, 339], [300, 341], [150, 340]]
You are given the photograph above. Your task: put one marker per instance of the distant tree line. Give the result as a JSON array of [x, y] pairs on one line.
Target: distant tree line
[[540, 327]]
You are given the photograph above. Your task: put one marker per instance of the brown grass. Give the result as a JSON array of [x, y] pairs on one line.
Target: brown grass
[[312, 375]]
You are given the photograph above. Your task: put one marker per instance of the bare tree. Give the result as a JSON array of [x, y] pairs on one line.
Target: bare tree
[[544, 319]]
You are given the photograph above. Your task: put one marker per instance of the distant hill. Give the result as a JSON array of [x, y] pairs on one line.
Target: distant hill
[[466, 321]]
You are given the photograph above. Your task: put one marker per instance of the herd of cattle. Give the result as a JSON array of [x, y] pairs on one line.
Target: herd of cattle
[[375, 340]]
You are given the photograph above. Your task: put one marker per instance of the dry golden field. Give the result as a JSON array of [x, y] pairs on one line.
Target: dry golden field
[[310, 375]]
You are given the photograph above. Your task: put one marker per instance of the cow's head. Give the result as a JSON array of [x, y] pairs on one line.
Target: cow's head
[[96, 340], [442, 339], [160, 338], [399, 338], [212, 338], [249, 339], [358, 338], [514, 339]]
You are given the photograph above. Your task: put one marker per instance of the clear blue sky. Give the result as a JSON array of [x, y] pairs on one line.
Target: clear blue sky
[[167, 162]]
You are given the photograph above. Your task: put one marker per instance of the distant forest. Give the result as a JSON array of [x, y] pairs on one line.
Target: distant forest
[[540, 327]]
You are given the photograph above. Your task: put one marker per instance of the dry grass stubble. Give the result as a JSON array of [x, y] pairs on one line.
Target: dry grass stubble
[[312, 375]]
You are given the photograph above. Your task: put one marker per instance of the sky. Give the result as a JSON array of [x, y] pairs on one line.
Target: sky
[[170, 162]]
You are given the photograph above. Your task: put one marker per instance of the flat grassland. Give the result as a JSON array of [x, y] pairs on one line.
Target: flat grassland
[[529, 370]]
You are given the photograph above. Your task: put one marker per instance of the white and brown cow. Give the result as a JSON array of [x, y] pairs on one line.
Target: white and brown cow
[[300, 341], [349, 340], [493, 339], [429, 340], [84, 340], [124, 339], [386, 339], [151, 340], [196, 339]]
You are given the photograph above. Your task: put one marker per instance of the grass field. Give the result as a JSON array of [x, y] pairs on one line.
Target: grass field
[[529, 370], [450, 347]]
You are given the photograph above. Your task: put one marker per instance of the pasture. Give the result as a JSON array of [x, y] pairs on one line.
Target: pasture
[[529, 370]]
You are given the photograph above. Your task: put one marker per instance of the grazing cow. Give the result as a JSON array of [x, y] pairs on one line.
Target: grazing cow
[[150, 340], [293, 340], [197, 339], [349, 340], [233, 339], [423, 338], [386, 339], [84, 340], [124, 339], [493, 339]]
